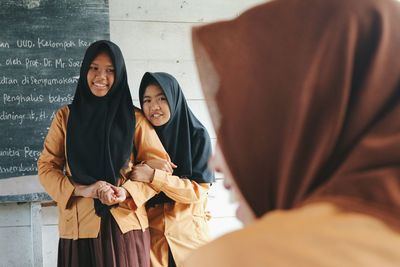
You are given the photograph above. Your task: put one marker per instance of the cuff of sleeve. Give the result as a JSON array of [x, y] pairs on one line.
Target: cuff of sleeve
[[140, 192], [159, 179], [66, 195]]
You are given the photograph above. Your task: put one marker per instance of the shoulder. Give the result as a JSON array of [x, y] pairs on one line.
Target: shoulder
[[254, 245], [200, 135], [139, 116], [62, 114], [141, 121], [318, 234], [59, 122], [201, 141], [64, 110], [225, 251]]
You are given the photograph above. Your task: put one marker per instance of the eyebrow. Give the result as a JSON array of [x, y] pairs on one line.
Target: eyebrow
[[110, 65], [160, 94]]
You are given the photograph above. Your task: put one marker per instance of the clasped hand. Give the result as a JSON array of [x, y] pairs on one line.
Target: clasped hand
[[107, 193], [110, 194]]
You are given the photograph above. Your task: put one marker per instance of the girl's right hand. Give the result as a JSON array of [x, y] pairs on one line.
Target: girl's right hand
[[161, 164]]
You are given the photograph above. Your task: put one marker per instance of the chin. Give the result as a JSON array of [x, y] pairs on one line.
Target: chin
[[157, 122], [99, 92]]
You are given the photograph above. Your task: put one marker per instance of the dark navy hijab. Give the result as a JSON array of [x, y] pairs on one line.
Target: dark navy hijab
[[184, 137], [100, 130]]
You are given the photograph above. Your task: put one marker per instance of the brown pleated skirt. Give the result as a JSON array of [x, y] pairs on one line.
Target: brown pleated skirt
[[110, 249]]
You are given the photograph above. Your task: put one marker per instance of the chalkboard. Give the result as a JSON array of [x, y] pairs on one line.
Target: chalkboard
[[42, 43]]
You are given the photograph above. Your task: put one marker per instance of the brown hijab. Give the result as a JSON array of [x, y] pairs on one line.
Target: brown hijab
[[305, 97]]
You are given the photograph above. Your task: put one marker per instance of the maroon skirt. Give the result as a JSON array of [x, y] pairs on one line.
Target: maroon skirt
[[110, 249]]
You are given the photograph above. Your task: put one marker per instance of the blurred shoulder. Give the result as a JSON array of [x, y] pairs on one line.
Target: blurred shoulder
[[317, 234]]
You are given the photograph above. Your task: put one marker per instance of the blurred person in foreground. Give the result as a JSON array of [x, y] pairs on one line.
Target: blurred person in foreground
[[304, 96]]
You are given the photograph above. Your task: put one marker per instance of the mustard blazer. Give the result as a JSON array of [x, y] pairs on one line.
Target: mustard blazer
[[181, 226], [77, 218]]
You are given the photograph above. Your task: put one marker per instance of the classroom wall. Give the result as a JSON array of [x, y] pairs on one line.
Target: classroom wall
[[154, 35]]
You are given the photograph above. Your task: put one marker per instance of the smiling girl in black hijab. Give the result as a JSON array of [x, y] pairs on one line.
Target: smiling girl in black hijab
[[178, 222], [87, 154]]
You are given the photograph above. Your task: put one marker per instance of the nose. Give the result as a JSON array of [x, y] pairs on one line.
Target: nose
[[155, 106], [102, 73]]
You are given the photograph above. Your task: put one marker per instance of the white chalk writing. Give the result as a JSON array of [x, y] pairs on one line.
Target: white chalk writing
[[13, 61], [4, 116], [4, 45], [67, 63], [25, 44], [9, 152], [20, 168], [60, 99], [29, 153], [49, 81], [32, 63], [19, 98], [34, 115], [42, 43], [8, 81]]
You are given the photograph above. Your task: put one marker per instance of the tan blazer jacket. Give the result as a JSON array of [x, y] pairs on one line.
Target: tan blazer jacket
[[181, 226], [77, 218]]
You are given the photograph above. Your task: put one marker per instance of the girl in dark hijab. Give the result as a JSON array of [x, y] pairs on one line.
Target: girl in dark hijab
[[177, 215], [87, 154], [305, 97]]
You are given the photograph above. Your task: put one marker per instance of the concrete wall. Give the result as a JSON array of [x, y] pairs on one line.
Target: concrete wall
[[154, 35]]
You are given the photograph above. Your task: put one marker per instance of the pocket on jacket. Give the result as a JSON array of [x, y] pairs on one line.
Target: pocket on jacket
[[201, 227], [66, 222]]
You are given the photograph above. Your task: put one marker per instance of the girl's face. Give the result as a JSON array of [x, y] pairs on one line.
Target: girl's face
[[101, 75], [217, 162], [155, 106]]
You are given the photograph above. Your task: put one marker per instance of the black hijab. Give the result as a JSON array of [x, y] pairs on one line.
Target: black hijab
[[100, 130], [184, 137]]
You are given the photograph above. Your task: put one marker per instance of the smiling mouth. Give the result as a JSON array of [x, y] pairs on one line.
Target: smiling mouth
[[156, 115], [100, 85]]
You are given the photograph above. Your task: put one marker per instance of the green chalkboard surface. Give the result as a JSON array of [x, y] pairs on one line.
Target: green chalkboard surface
[[42, 43]]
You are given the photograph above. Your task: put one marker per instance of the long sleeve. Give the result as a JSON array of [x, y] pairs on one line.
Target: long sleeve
[[178, 189], [185, 190], [51, 162], [148, 146]]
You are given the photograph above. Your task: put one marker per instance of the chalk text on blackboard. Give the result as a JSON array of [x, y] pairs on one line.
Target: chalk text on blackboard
[[60, 99], [42, 43], [7, 116], [9, 152], [25, 44], [20, 168], [20, 98], [30, 153], [4, 45], [8, 81], [49, 81], [13, 61]]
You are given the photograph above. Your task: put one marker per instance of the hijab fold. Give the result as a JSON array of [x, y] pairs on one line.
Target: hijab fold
[[100, 130], [305, 97], [184, 138]]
